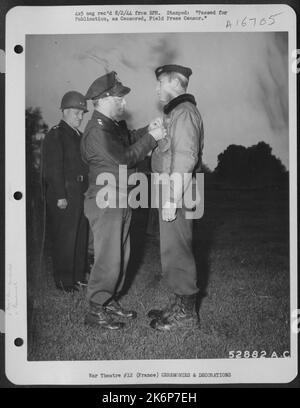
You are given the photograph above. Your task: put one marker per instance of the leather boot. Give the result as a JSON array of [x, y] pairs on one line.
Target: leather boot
[[113, 307], [97, 316], [164, 312], [182, 315]]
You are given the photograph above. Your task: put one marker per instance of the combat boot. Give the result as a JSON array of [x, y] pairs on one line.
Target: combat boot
[[183, 315], [164, 312], [98, 316], [113, 307]]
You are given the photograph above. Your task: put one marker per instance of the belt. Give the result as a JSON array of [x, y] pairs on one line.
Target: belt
[[79, 178]]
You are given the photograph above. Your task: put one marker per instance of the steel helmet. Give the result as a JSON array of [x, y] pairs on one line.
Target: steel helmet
[[73, 99]]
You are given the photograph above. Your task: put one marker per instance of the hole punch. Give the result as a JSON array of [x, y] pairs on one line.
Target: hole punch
[[18, 49], [18, 195], [19, 342]]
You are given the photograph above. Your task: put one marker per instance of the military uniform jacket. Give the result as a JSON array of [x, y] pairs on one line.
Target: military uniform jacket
[[62, 158], [107, 144], [181, 150]]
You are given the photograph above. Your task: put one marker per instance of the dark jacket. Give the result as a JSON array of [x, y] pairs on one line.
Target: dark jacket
[[107, 144], [62, 162]]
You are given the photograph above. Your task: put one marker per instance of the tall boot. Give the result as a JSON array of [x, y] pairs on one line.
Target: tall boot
[[182, 315]]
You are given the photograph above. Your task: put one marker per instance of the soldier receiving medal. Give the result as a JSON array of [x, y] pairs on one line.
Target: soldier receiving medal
[[180, 153]]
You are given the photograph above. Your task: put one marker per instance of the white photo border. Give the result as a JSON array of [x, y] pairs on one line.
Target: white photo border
[[22, 21]]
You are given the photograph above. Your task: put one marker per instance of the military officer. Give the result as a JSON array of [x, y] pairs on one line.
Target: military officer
[[180, 152], [66, 181], [106, 145]]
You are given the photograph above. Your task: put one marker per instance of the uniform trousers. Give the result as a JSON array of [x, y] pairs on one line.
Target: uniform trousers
[[110, 227], [69, 233], [177, 258]]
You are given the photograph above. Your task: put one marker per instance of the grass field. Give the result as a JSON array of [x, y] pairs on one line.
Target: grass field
[[242, 248]]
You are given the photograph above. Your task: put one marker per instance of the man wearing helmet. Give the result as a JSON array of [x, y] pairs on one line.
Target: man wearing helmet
[[66, 181]]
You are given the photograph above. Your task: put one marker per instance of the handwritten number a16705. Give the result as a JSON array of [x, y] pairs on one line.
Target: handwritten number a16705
[[253, 22]]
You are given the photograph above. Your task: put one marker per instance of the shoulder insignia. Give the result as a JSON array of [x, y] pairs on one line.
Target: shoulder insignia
[[55, 127], [100, 122]]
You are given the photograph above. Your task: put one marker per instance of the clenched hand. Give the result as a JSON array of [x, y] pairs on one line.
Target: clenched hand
[[62, 204], [158, 133], [157, 122], [169, 212]]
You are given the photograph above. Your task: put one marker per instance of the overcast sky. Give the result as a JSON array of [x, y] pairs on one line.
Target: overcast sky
[[240, 80]]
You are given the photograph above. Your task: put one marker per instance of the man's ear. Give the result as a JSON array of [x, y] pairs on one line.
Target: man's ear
[[177, 83]]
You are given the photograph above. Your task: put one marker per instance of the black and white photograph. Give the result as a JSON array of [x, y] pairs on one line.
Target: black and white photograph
[[181, 290]]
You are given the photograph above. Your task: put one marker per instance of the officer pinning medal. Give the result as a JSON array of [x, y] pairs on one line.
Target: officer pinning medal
[[107, 143]]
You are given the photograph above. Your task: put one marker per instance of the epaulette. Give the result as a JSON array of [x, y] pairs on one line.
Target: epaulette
[[92, 124], [55, 131]]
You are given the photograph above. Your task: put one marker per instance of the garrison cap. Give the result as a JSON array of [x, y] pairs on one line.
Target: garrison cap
[[106, 85], [73, 99], [185, 71]]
